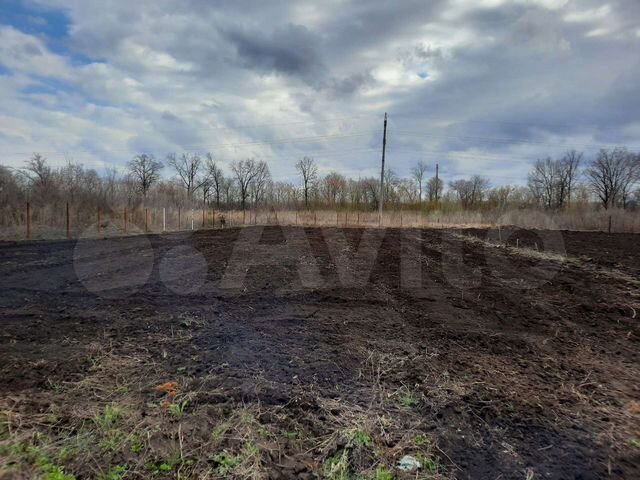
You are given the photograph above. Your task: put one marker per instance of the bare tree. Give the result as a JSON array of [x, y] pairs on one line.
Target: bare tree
[[551, 181], [246, 172], [370, 187], [145, 171], [434, 188], [470, 192], [38, 171], [570, 172], [612, 175], [261, 183], [187, 167], [333, 187], [418, 174], [215, 177], [308, 169]]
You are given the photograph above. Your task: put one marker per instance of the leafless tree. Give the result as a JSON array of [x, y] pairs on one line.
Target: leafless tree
[[470, 192], [551, 181], [500, 196], [333, 187], [370, 187], [38, 171], [434, 188], [418, 174], [145, 171], [187, 166], [612, 175], [246, 173], [570, 171], [260, 184], [215, 177], [309, 170]]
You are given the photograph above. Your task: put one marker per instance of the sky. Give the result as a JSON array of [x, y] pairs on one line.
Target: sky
[[478, 86]]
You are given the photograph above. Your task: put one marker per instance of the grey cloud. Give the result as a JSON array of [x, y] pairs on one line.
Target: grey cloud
[[518, 72], [290, 50]]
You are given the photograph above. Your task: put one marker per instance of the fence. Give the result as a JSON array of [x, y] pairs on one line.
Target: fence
[[49, 222]]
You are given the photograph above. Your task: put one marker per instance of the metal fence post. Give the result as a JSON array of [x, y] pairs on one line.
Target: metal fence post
[[68, 222], [28, 221]]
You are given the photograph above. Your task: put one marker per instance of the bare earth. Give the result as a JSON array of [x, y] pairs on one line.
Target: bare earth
[[499, 363]]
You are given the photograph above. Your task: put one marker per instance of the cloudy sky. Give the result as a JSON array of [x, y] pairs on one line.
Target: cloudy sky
[[480, 86]]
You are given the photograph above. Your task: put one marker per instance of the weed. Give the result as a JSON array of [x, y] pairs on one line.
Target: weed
[[383, 473], [337, 466], [109, 417], [220, 430], [137, 445], [54, 472], [251, 450], [178, 409], [360, 438], [112, 440], [115, 472], [635, 442], [407, 398], [429, 464], [163, 468], [226, 464]]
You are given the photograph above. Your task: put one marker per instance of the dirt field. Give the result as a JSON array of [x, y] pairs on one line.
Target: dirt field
[[180, 356]]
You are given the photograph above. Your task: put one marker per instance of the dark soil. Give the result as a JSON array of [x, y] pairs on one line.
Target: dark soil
[[510, 364]]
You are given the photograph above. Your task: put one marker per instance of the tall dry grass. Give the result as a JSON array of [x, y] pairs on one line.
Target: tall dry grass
[[50, 223]]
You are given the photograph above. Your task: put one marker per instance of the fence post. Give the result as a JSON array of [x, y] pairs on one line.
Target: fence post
[[28, 221], [178, 218], [203, 217], [146, 220], [126, 228], [68, 222], [164, 219], [609, 223], [98, 221], [214, 219], [315, 219], [358, 217], [296, 217], [337, 221]]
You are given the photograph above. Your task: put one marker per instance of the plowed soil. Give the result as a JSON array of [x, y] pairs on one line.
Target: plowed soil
[[497, 362]]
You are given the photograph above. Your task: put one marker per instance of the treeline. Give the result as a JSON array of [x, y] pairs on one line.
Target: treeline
[[611, 179]]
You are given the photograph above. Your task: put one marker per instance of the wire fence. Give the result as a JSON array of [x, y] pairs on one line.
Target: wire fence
[[67, 221]]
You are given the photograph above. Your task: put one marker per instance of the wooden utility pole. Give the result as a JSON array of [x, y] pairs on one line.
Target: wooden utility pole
[[384, 147]]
